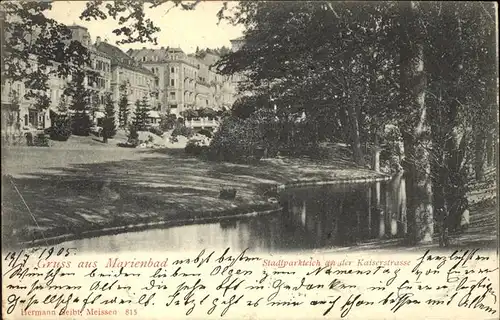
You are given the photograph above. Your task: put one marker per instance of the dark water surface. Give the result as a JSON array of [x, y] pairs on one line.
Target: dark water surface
[[316, 217]]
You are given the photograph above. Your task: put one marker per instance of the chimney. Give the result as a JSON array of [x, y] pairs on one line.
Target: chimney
[[97, 41]]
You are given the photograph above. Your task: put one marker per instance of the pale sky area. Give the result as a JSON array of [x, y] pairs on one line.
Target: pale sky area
[[179, 28]]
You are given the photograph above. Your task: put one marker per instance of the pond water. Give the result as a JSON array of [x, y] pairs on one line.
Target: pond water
[[315, 217]]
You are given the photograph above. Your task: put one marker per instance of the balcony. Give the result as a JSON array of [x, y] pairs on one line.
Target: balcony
[[201, 123]]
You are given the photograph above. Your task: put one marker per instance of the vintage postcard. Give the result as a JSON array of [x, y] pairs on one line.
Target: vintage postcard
[[249, 160]]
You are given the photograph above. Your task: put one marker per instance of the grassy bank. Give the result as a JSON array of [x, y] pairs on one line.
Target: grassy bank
[[73, 190]]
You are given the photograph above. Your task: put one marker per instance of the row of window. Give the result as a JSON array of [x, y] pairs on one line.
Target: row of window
[[101, 65], [190, 73], [155, 57], [97, 82], [136, 78], [100, 99]]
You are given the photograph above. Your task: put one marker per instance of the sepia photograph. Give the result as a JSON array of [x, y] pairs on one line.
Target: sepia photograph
[[270, 128]]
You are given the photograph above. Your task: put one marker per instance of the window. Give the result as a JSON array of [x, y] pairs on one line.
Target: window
[[174, 106], [172, 82], [172, 95], [172, 70]]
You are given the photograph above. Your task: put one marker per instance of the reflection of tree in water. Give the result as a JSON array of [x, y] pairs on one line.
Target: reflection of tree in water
[[344, 216], [228, 224]]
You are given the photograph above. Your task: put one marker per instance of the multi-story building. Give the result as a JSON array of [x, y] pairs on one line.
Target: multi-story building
[[187, 82], [100, 64], [140, 82], [238, 43], [31, 116]]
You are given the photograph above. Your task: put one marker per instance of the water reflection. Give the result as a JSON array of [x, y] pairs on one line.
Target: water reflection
[[311, 218]]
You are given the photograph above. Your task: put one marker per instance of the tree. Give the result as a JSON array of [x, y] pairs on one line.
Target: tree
[[108, 124], [123, 106], [95, 103], [418, 66], [459, 97], [62, 106], [80, 104], [12, 115], [36, 48], [416, 126], [168, 121], [141, 115], [336, 85], [61, 127]]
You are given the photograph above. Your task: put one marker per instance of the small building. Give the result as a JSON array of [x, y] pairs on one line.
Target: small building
[[154, 118]]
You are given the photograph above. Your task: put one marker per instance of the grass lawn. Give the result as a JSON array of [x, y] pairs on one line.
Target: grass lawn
[[82, 185]]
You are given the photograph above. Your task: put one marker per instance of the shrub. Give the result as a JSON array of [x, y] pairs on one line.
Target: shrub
[[237, 140], [133, 137], [193, 147], [183, 131], [205, 132], [41, 140], [156, 131], [127, 145], [29, 139], [61, 129], [167, 122], [81, 124]]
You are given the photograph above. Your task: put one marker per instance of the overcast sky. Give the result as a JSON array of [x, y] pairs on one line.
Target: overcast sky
[[179, 28]]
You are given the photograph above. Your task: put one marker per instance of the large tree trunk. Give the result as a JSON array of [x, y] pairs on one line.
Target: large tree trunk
[[416, 131], [376, 153], [355, 136], [479, 152], [457, 187]]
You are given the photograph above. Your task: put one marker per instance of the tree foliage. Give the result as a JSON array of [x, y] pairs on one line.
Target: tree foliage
[[141, 114], [80, 103], [108, 124], [37, 48], [419, 66], [123, 106]]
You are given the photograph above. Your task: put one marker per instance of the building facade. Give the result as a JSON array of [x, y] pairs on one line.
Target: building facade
[[31, 117], [187, 82], [140, 82], [100, 64]]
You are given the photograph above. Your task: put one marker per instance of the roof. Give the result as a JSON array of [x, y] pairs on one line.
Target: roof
[[209, 59], [238, 39], [153, 114], [161, 53], [76, 26], [118, 57]]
